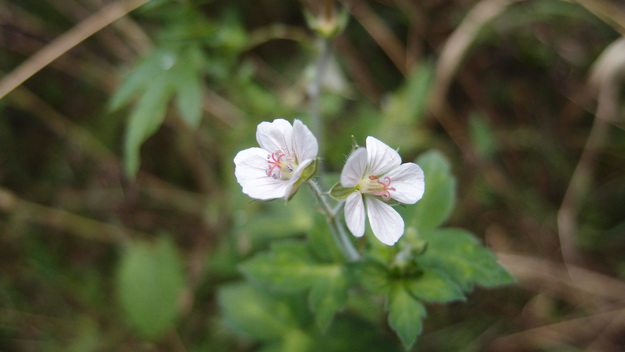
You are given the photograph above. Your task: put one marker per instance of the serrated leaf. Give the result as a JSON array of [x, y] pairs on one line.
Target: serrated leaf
[[144, 120], [405, 315], [440, 192], [255, 313], [434, 286], [371, 274], [149, 283], [459, 255], [328, 295], [289, 267]]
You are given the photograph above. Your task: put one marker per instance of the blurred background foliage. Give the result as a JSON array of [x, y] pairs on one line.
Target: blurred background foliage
[[116, 168]]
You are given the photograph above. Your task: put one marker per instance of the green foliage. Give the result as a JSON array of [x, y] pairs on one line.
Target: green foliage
[[458, 253], [150, 280], [258, 314], [431, 265], [290, 266], [166, 73], [440, 193], [405, 314], [198, 75]]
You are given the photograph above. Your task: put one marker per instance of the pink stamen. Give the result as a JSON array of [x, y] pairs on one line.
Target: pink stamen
[[274, 160], [385, 183]]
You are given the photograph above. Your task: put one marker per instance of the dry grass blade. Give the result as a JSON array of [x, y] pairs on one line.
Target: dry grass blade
[[382, 35], [540, 274], [65, 42], [607, 75], [457, 46]]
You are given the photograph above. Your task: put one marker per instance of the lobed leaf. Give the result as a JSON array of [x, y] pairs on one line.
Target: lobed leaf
[[459, 255], [255, 313], [288, 267], [371, 274], [434, 286]]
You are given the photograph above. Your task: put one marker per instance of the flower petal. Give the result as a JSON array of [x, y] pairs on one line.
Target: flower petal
[[355, 214], [250, 171], [354, 168], [386, 223], [275, 135], [381, 157], [305, 144], [408, 181]]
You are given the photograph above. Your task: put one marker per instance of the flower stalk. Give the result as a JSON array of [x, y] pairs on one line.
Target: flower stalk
[[338, 231]]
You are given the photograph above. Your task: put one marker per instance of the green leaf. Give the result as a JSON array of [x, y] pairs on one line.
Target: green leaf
[[371, 274], [409, 102], [322, 243], [440, 192], [288, 267], [140, 78], [405, 314], [150, 280], [255, 313], [482, 136], [459, 254], [434, 286], [339, 192], [144, 120], [328, 295], [188, 85], [352, 333]]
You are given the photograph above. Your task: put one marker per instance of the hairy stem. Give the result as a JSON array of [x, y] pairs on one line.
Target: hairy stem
[[338, 231]]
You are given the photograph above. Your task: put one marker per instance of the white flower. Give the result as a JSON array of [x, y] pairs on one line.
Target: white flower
[[284, 160], [374, 176]]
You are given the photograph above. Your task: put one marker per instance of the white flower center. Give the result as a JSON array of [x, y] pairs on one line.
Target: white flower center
[[281, 164], [376, 186]]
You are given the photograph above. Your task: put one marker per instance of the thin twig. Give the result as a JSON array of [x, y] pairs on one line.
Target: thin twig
[[65, 42]]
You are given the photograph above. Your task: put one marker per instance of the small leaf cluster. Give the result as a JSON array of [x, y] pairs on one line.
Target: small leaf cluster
[[430, 264], [190, 50]]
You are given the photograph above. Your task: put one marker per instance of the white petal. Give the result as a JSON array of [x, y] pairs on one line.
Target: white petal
[[386, 223], [305, 144], [355, 214], [381, 157], [250, 171], [354, 168], [275, 135], [408, 181]]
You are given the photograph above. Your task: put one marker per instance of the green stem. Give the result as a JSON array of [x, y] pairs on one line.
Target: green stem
[[314, 90], [338, 231]]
